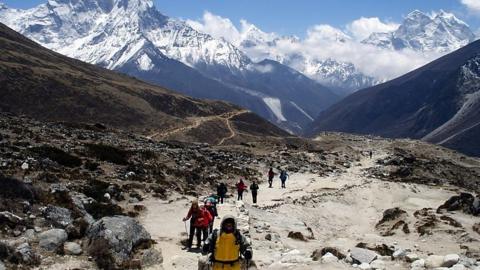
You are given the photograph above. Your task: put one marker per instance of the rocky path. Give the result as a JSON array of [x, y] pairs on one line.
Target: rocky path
[[339, 210], [196, 122]]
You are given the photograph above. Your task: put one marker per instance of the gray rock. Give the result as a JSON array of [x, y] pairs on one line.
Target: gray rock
[[434, 261], [420, 263], [111, 240], [450, 260], [60, 217], [458, 267], [400, 253], [24, 254], [378, 264], [364, 266], [151, 257], [53, 239], [10, 219], [411, 257], [329, 258], [2, 266], [362, 255], [72, 248]]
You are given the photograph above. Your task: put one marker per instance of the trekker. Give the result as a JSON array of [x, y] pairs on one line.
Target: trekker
[[222, 191], [371, 154], [271, 174], [199, 221], [211, 205], [226, 245], [241, 187], [283, 177], [254, 188]]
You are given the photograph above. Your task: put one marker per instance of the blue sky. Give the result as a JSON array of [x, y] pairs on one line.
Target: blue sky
[[294, 17]]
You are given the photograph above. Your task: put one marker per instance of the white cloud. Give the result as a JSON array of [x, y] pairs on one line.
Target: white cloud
[[362, 28], [216, 26], [321, 42], [472, 5]]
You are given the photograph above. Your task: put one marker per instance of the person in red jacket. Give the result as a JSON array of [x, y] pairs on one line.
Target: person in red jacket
[[200, 218], [241, 187]]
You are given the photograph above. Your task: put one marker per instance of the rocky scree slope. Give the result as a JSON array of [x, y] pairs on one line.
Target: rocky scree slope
[[438, 102]]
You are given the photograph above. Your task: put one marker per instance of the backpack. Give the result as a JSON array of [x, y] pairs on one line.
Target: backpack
[[215, 234]]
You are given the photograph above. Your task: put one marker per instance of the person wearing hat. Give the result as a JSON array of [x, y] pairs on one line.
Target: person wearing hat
[[227, 245]]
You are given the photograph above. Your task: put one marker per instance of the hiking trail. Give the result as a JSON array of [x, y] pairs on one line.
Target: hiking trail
[[340, 210], [197, 121]]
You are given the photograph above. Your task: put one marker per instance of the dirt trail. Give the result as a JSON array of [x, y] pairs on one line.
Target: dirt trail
[[337, 210], [197, 121]]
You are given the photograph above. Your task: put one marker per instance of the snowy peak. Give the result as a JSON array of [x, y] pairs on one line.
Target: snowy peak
[[439, 32]]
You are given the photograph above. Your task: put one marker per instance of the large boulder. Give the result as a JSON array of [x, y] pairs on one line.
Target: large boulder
[[52, 240], [112, 241]]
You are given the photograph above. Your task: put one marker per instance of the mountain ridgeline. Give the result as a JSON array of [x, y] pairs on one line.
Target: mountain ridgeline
[[438, 103], [45, 85], [134, 37]]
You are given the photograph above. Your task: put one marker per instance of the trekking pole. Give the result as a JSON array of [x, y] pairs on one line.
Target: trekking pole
[[185, 223]]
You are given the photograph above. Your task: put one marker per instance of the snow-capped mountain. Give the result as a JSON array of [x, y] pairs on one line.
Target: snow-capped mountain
[[441, 32], [344, 77], [338, 75], [132, 36]]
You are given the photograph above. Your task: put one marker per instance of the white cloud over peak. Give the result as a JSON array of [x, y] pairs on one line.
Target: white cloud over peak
[[216, 26], [321, 42], [362, 28], [472, 5]]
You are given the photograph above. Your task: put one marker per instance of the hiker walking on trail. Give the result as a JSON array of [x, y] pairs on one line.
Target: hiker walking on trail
[[222, 191], [254, 188], [211, 205], [371, 154], [241, 187], [283, 177], [271, 174], [226, 245], [199, 221]]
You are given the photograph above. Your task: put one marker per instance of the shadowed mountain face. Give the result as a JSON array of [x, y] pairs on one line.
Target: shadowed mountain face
[[133, 37], [48, 86], [439, 103]]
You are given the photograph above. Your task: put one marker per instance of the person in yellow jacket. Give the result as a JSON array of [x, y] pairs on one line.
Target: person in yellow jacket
[[226, 245]]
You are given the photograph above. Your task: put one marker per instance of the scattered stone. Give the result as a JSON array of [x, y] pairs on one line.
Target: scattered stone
[[393, 219], [476, 227], [378, 264], [458, 267], [364, 266], [24, 254], [411, 257], [450, 260], [151, 257], [72, 248], [112, 240], [2, 266], [59, 217], [420, 263], [434, 261], [329, 258], [10, 219], [362, 255], [297, 236], [268, 237], [464, 202], [400, 253], [52, 240]]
